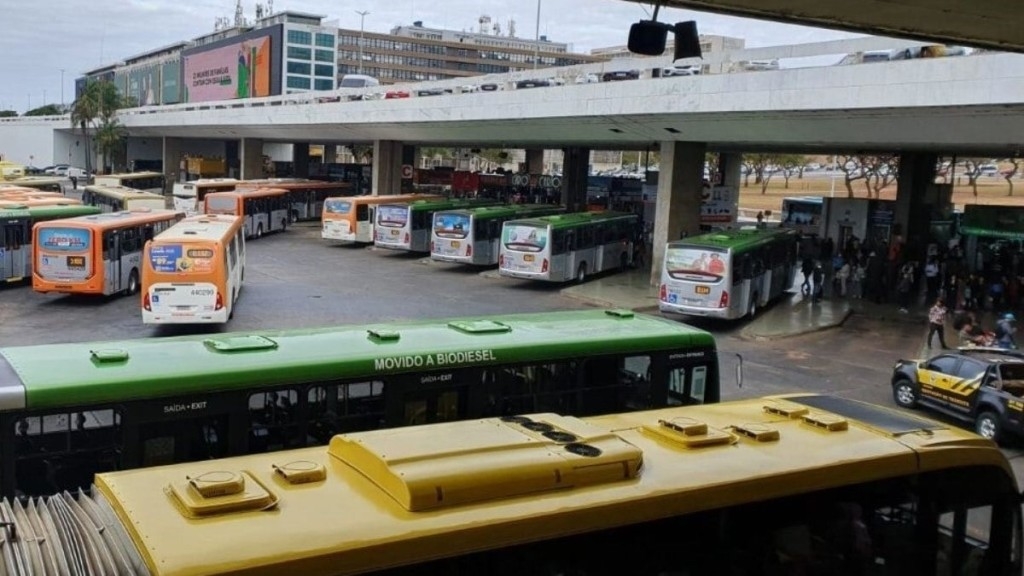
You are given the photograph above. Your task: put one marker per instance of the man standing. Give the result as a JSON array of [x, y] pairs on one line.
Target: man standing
[[1005, 329], [937, 323]]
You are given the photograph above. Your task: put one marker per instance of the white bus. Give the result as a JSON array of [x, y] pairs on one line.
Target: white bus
[[120, 199], [567, 246], [350, 219], [728, 274], [473, 235], [189, 196], [152, 182], [192, 272], [408, 226]]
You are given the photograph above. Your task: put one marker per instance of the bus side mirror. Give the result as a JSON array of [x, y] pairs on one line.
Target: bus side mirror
[[739, 371]]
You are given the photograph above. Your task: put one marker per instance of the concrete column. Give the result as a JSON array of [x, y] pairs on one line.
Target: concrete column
[[917, 200], [174, 170], [729, 165], [300, 159], [330, 153], [680, 183], [410, 157], [387, 167], [250, 156], [535, 160], [574, 178]]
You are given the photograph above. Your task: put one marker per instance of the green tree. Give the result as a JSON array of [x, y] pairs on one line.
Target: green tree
[[790, 164], [110, 142], [97, 107], [1009, 174], [8, 114], [48, 110]]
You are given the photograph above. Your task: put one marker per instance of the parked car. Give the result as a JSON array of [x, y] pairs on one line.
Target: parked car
[[56, 169], [587, 79], [433, 92], [392, 94], [620, 75], [679, 71], [465, 89], [533, 83], [491, 87]]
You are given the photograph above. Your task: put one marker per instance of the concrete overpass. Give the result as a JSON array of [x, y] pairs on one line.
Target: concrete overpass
[[994, 24]]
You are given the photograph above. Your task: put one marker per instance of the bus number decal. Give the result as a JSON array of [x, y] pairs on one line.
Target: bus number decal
[[439, 359], [184, 407], [202, 292]]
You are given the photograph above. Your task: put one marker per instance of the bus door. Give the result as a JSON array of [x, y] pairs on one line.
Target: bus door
[[689, 376], [366, 215], [112, 261], [14, 251], [427, 398], [183, 440]]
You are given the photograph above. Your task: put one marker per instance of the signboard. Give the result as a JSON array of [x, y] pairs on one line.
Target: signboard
[[171, 87], [719, 205], [238, 70], [993, 221], [406, 171]]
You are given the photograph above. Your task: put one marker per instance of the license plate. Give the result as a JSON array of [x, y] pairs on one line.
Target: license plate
[[394, 232], [703, 289], [76, 261], [455, 243], [528, 258]]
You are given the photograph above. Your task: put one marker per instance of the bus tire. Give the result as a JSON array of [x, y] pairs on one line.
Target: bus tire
[[259, 230], [133, 282], [581, 273], [752, 310], [987, 426]]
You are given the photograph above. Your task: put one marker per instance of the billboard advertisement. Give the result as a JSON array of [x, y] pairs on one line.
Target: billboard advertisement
[[171, 88], [238, 70], [144, 85]]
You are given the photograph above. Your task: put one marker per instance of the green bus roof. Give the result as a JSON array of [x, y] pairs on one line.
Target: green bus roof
[[573, 219], [737, 240], [53, 212], [59, 375], [445, 204], [507, 210]]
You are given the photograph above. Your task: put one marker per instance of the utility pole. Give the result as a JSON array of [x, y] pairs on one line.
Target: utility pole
[[362, 19], [536, 39], [62, 89]]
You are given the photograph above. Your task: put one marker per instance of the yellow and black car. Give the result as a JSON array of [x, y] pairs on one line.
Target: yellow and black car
[[984, 386]]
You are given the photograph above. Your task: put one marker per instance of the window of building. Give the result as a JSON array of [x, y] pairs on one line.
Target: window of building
[[323, 84], [298, 68], [325, 40], [298, 82], [325, 70], [300, 37], [325, 56], [296, 53]]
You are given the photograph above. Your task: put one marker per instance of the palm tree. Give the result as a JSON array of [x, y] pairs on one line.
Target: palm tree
[[109, 136], [97, 108], [84, 112]]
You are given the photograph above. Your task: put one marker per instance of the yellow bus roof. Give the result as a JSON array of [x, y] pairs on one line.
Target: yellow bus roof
[[386, 199], [123, 193], [106, 220], [386, 498], [201, 228], [130, 175]]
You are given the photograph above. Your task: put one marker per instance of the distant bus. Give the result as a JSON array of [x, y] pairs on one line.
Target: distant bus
[[16, 235], [351, 219], [306, 197], [42, 183], [22, 201], [728, 274], [189, 196], [568, 246], [805, 214], [409, 226], [192, 272], [120, 198], [152, 182], [98, 254], [262, 209], [16, 191], [473, 235]]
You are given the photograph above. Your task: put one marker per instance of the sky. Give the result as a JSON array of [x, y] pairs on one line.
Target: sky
[[40, 38]]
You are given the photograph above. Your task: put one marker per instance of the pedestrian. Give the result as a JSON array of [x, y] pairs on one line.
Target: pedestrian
[[904, 285], [931, 278], [817, 282], [806, 268], [937, 323], [74, 182], [1005, 330]]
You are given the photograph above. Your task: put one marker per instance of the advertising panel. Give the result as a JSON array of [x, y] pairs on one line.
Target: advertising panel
[[144, 85], [64, 253], [719, 205], [524, 238], [238, 70], [171, 87]]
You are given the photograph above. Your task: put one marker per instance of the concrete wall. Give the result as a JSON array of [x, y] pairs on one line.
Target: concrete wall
[[145, 148], [202, 147], [30, 141], [68, 148]]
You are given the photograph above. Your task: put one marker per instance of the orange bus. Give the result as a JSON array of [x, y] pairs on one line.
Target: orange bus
[[192, 272], [306, 197], [33, 201], [7, 190], [99, 254], [262, 209], [350, 219]]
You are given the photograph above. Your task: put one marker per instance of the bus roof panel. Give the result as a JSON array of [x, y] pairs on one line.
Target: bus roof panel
[[123, 192], [161, 367], [506, 210], [202, 227], [116, 219], [572, 219], [735, 239]]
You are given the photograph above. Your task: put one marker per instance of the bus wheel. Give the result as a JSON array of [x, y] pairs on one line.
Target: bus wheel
[[133, 282], [259, 230], [581, 273], [753, 306], [987, 426]]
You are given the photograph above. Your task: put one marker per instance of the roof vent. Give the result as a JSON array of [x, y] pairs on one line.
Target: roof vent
[[109, 355], [479, 326], [456, 463], [301, 472], [787, 409], [829, 422], [758, 432], [240, 343], [620, 313], [220, 492], [383, 335], [689, 432]]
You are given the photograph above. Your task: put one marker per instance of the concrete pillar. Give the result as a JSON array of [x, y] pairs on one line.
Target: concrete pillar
[[535, 160], [330, 153], [680, 184], [729, 165], [917, 200], [574, 178], [410, 157], [250, 156], [387, 167], [300, 159], [174, 168]]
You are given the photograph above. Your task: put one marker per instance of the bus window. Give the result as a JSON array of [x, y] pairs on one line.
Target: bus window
[[62, 451], [224, 204], [363, 213], [683, 393], [338, 408], [274, 421]]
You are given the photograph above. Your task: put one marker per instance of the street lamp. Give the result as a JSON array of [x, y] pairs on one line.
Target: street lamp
[[536, 39], [62, 89], [362, 19]]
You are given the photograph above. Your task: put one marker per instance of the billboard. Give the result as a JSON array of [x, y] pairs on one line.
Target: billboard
[[240, 69], [144, 85], [171, 88]]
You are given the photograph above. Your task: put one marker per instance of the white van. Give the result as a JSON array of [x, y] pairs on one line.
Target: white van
[[357, 81]]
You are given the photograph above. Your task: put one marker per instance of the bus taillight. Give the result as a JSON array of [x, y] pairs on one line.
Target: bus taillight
[[724, 302], [469, 249], [431, 245], [145, 302], [544, 265], [501, 260], [663, 293], [406, 237], [220, 301]]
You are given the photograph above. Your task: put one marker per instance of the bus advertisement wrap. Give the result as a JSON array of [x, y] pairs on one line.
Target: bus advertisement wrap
[[396, 216], [451, 225], [525, 238], [64, 239], [239, 70], [174, 258], [54, 243]]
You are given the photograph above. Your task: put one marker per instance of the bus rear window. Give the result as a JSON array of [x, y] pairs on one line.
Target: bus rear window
[[700, 264], [181, 258], [525, 238], [224, 204], [394, 216], [337, 206], [451, 225], [64, 239]]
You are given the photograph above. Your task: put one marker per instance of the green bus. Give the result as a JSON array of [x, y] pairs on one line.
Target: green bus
[[728, 274], [16, 233], [407, 226], [472, 235], [68, 411], [568, 246]]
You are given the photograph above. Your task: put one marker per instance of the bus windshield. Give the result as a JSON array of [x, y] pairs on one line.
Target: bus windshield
[[337, 206], [451, 225], [395, 216], [698, 264], [525, 238], [181, 259], [221, 203]]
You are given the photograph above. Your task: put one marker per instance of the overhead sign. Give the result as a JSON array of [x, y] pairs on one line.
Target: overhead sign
[[406, 171]]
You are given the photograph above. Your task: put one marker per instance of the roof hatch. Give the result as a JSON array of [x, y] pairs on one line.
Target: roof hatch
[[456, 463], [479, 326], [240, 343], [216, 493], [689, 432]]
